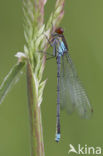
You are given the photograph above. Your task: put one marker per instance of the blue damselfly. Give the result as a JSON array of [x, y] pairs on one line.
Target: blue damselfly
[[70, 92]]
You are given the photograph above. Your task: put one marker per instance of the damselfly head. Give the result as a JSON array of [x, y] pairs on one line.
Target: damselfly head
[[59, 30]]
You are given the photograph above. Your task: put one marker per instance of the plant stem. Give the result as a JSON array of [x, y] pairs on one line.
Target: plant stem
[[35, 115]]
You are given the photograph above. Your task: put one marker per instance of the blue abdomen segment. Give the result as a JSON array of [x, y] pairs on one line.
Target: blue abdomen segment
[[57, 139], [61, 48]]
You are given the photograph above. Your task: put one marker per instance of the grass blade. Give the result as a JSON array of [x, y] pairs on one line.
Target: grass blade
[[10, 80]]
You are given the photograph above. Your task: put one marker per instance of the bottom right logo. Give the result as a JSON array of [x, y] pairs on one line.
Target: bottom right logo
[[84, 149]]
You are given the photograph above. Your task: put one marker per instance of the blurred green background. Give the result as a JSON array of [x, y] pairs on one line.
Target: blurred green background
[[83, 26]]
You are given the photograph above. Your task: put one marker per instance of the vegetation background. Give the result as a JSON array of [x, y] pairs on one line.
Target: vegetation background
[[83, 26]]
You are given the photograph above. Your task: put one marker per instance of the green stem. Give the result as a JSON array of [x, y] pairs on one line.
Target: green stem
[[35, 115]]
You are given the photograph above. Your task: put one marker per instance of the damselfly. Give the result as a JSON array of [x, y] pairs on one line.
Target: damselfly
[[70, 93]]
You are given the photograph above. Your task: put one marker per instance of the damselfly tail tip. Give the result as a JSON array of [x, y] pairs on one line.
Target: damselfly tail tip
[[57, 137]]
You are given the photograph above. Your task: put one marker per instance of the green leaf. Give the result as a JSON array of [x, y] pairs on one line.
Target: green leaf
[[10, 79]]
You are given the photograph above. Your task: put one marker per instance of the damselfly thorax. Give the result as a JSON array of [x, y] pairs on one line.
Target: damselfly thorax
[[59, 44]]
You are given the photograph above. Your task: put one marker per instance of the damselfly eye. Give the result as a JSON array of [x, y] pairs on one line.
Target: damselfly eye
[[59, 30]]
